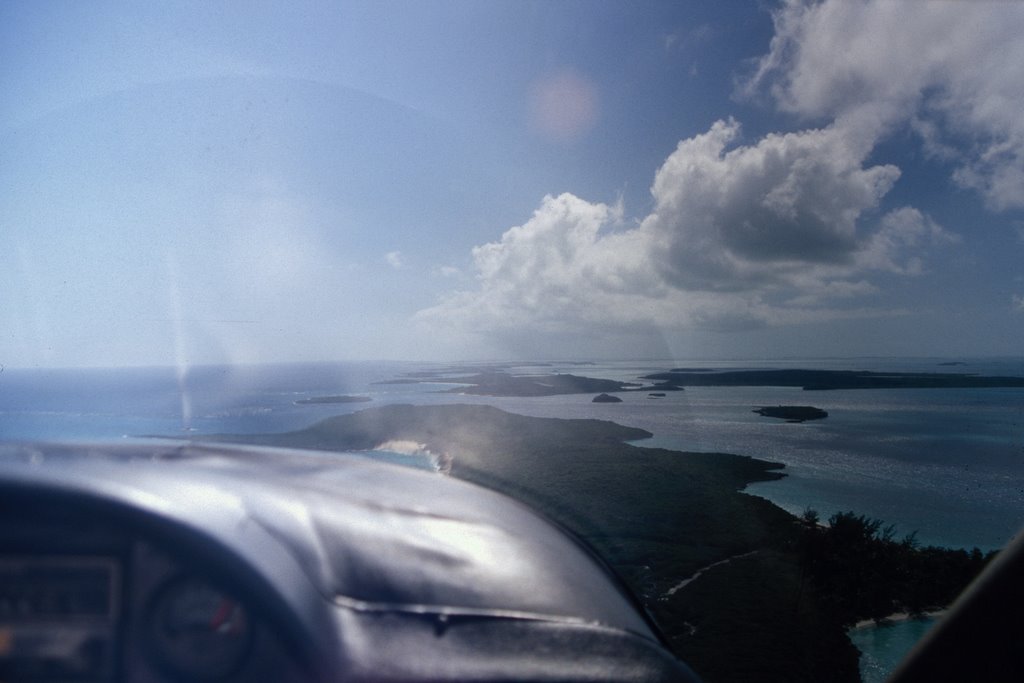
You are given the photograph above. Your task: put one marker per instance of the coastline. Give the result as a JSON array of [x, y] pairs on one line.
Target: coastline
[[884, 645], [897, 617]]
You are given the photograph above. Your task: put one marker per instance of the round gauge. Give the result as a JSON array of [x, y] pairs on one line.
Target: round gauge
[[197, 631]]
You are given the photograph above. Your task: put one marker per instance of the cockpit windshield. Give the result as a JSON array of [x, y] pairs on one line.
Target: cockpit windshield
[[730, 291]]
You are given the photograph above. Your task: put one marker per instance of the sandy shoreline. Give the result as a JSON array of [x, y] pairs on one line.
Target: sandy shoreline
[[899, 616]]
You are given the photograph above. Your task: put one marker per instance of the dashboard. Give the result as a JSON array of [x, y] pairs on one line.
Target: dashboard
[[94, 591], [81, 602], [168, 562]]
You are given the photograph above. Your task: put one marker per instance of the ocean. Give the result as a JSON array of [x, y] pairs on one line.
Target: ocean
[[945, 464]]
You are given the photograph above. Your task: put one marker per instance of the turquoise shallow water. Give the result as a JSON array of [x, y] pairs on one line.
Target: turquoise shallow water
[[883, 646]]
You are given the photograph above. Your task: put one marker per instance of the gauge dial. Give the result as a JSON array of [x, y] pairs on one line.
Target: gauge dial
[[198, 631]]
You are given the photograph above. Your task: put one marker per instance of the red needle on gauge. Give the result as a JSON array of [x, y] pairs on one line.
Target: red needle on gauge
[[222, 615]]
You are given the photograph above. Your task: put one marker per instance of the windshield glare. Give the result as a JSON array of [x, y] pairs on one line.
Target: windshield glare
[[731, 291]]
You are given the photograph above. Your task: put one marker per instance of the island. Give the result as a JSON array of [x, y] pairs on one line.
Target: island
[[606, 398], [500, 383], [500, 380], [793, 413], [820, 380], [741, 589], [333, 399]]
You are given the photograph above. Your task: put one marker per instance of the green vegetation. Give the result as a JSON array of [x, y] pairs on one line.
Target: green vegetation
[[752, 619], [862, 572]]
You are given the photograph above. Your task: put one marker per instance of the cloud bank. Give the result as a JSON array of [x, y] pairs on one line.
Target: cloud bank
[[740, 236], [787, 228], [952, 70]]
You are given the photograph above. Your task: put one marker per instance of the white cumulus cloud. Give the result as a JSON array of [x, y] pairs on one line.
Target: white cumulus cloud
[[894, 246], [448, 271], [951, 69], [739, 237], [394, 259], [760, 214]]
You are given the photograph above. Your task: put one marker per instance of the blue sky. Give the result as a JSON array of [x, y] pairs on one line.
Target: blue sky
[[247, 182]]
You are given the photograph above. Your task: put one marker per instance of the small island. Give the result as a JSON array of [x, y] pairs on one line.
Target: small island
[[793, 413], [333, 399], [606, 398]]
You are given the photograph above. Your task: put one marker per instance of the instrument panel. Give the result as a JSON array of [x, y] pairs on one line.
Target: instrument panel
[[197, 631], [59, 617], [124, 610]]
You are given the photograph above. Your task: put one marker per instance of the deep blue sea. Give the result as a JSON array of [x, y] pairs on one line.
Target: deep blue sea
[[947, 464]]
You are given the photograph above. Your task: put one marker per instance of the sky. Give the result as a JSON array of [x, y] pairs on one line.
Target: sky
[[194, 183]]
